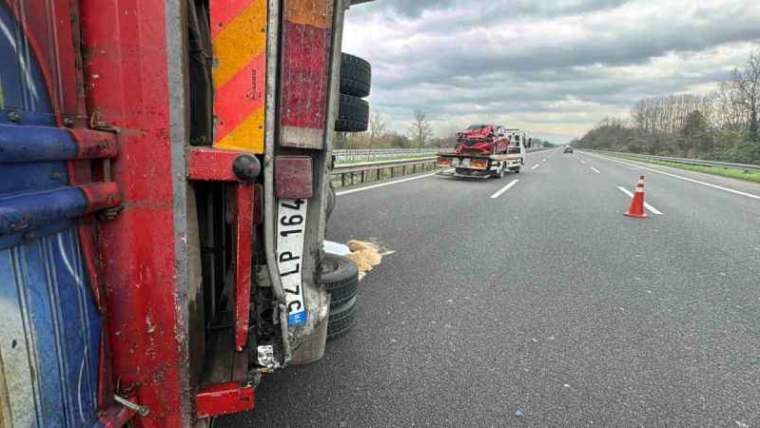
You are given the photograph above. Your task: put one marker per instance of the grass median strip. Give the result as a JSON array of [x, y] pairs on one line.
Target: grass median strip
[[737, 173]]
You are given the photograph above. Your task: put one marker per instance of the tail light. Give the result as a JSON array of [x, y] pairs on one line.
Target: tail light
[[293, 177], [478, 164], [306, 47], [444, 162]]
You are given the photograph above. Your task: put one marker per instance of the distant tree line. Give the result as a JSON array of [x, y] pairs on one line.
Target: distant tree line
[[722, 125], [418, 135]]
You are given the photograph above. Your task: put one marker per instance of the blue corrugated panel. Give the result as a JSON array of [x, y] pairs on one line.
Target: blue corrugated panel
[[50, 329], [50, 337], [27, 211], [35, 143]]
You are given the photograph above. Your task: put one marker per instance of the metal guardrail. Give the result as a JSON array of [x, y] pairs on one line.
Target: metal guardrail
[[348, 155], [687, 161], [346, 175], [344, 155]]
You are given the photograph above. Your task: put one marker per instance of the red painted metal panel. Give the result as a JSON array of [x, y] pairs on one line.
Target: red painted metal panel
[[243, 248], [224, 399], [127, 77], [211, 165]]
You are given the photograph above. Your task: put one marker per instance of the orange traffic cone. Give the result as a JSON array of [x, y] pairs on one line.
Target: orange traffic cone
[[637, 203]]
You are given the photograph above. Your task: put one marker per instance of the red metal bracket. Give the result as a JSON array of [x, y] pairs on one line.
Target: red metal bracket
[[224, 399], [95, 144], [101, 196], [211, 165], [218, 165], [244, 195], [115, 416]]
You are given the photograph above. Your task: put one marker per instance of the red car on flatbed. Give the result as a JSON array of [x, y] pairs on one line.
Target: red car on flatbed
[[486, 151]]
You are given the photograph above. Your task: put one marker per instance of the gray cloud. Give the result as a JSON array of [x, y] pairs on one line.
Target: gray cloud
[[569, 61]]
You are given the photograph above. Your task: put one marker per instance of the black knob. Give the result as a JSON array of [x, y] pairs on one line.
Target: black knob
[[246, 167]]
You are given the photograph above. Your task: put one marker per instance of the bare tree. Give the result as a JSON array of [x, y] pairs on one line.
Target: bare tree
[[421, 130], [377, 128], [729, 114], [747, 85]]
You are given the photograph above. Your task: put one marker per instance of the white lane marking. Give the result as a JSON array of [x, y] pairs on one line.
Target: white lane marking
[[690, 180], [646, 204], [504, 189], [544, 160], [390, 183], [595, 170], [535, 166]]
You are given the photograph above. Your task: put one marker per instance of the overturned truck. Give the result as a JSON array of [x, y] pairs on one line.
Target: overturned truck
[[163, 197]]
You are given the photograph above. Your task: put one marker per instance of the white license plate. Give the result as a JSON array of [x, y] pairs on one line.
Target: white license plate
[[291, 224]]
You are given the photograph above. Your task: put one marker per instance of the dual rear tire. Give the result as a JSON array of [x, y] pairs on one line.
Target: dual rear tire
[[355, 83], [341, 279]]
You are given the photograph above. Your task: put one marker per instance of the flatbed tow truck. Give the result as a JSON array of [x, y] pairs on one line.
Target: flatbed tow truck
[[485, 151]]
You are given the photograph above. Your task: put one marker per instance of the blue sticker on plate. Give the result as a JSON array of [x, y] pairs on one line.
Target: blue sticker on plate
[[297, 319]]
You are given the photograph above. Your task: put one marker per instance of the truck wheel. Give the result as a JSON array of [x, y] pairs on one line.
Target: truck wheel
[[355, 76], [517, 170], [353, 114], [341, 319], [342, 295], [340, 278]]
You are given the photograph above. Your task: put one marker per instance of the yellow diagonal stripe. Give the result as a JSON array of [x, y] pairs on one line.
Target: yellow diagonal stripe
[[241, 40], [248, 136]]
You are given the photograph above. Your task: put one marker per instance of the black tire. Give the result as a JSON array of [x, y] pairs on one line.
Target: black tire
[[355, 76], [338, 271], [340, 296], [353, 115], [342, 319], [340, 278]]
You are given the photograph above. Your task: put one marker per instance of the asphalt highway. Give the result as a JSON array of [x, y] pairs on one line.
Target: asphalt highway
[[537, 303]]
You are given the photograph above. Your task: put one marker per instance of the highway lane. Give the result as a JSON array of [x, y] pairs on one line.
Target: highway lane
[[546, 300]]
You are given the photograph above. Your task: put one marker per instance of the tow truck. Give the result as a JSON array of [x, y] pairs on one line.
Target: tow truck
[[484, 151]]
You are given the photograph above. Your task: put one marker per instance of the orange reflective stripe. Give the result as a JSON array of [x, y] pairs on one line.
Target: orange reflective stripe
[[222, 15], [240, 97], [248, 135], [239, 37]]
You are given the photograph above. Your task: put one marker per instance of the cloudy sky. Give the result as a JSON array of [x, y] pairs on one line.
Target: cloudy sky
[[553, 67]]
